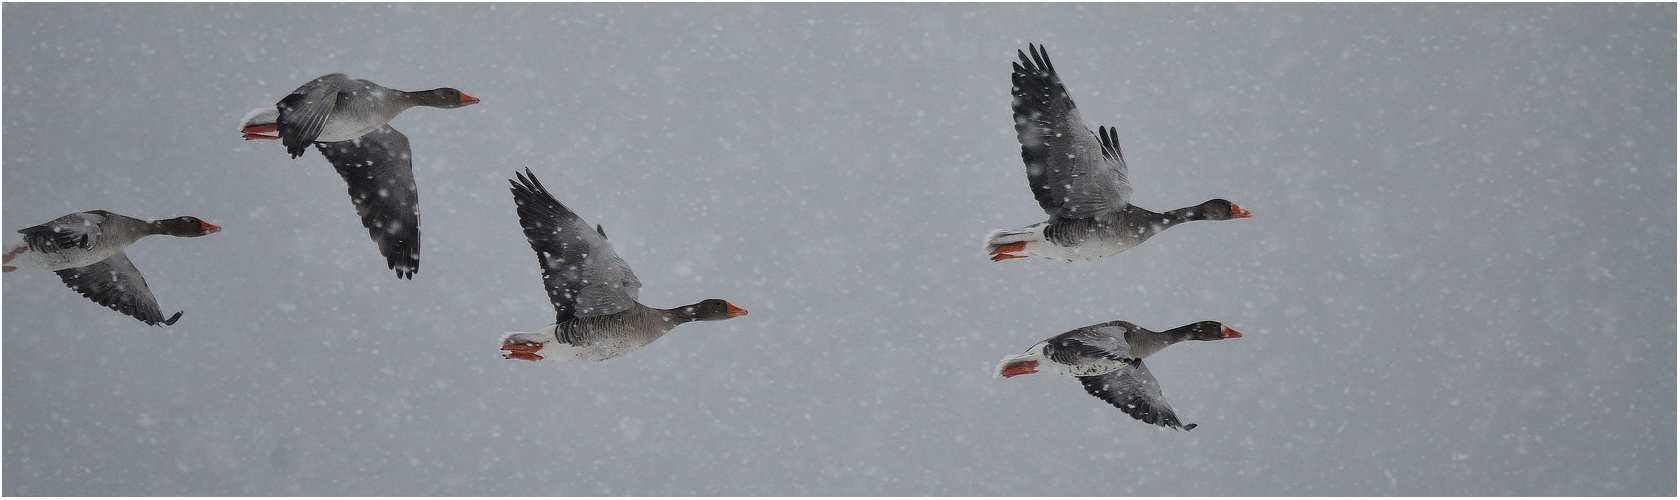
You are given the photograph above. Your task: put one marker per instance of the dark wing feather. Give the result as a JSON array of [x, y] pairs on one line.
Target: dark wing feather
[[117, 284], [1083, 346], [77, 230], [1110, 140], [582, 273], [304, 112], [1134, 390], [1072, 174], [380, 173]]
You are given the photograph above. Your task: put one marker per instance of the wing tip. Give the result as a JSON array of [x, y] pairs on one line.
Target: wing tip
[[527, 181], [1040, 59]]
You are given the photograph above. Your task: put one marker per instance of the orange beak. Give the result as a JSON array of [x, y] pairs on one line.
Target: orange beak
[[467, 99], [1228, 333], [1238, 212], [736, 311], [209, 228]]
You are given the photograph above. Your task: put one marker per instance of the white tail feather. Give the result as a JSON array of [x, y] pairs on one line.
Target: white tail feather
[[260, 116], [542, 336]]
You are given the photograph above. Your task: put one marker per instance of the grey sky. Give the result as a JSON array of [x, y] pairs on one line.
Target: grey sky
[[1459, 277]]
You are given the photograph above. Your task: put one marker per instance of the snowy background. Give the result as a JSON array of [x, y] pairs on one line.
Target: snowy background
[[1459, 277]]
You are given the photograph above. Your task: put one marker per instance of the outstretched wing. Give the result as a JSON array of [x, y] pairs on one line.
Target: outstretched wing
[[1072, 173], [78, 230], [304, 112], [1134, 390], [582, 273], [380, 173], [117, 284]]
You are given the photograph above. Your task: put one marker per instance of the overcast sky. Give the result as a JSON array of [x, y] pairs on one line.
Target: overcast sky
[[1459, 277]]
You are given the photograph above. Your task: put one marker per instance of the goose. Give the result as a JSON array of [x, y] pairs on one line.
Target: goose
[[347, 120], [86, 250], [592, 289], [1108, 359], [1079, 179]]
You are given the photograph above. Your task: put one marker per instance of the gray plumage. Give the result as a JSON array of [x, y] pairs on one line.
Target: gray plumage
[[1107, 358], [592, 289], [85, 249], [1078, 177], [347, 119], [336, 108]]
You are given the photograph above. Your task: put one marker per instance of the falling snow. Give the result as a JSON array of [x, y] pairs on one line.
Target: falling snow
[[1459, 276]]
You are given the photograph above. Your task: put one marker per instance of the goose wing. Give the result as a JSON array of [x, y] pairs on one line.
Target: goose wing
[[1073, 173], [304, 112], [78, 230], [380, 173], [117, 284], [582, 273], [1090, 345], [1134, 390]]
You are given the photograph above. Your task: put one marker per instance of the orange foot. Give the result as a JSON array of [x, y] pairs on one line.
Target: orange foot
[[1019, 368], [526, 351], [261, 131], [1003, 252]]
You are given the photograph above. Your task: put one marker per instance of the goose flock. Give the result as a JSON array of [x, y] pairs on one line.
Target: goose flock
[[1078, 177]]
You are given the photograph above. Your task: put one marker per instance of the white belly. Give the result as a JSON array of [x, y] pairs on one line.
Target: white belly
[[1090, 250], [552, 348], [599, 351], [53, 261]]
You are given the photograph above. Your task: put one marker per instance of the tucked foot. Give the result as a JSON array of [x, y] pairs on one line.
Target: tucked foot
[[261, 131], [523, 350], [1018, 368], [12, 255], [1002, 252]]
